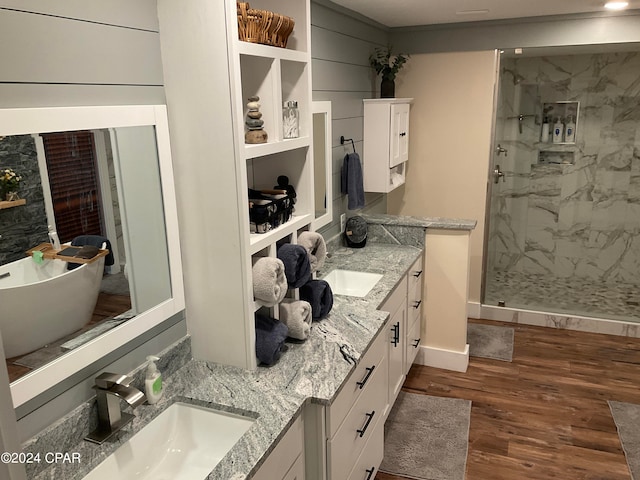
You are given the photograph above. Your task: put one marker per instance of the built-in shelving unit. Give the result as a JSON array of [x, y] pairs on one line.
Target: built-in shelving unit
[[276, 75]]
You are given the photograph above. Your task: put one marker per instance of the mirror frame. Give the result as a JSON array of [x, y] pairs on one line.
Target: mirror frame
[[22, 121], [324, 107]]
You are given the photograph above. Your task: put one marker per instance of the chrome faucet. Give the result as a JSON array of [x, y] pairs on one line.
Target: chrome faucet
[[111, 388]]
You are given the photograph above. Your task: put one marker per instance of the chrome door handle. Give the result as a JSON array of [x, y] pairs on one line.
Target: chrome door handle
[[497, 174]]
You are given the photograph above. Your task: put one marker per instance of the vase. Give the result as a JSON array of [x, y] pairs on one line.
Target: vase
[[387, 88], [12, 196]]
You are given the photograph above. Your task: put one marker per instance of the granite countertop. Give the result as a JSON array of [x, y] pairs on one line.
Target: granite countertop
[[425, 222], [312, 371]]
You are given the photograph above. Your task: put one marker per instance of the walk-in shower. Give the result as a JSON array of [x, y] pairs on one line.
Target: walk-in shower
[[564, 214]]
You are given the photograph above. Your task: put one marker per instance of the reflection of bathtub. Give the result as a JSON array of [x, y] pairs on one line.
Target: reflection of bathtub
[[43, 303]]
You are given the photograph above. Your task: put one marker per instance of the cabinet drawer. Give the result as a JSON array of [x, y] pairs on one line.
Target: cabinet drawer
[[357, 384], [414, 304], [284, 455], [371, 457], [358, 427], [416, 273], [412, 345], [397, 297]]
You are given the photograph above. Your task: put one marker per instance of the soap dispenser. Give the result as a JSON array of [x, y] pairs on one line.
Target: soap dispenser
[[53, 239], [153, 381], [558, 130]]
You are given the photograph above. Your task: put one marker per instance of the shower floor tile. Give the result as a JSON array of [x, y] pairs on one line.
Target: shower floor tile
[[578, 296]]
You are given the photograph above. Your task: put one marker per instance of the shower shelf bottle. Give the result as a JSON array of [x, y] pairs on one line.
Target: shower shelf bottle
[[570, 130], [558, 131]]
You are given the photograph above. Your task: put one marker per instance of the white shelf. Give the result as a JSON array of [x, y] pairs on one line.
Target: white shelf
[[267, 51], [259, 241], [279, 146]]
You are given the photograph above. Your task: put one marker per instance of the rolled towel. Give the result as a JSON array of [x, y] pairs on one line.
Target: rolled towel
[[316, 248], [318, 293], [296, 315], [269, 281], [270, 336], [296, 264]]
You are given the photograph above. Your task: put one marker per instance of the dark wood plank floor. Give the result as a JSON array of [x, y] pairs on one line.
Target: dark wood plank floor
[[544, 415]]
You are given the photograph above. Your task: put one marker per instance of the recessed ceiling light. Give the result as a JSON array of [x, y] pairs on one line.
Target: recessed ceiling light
[[616, 5]]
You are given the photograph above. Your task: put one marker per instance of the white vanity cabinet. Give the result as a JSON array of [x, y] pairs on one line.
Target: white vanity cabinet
[[396, 305], [386, 143], [354, 421], [414, 312], [405, 306], [286, 461]]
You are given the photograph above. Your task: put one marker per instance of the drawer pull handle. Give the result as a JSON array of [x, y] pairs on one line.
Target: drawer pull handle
[[417, 274], [370, 472], [416, 343], [417, 304], [396, 334], [366, 425], [362, 383]]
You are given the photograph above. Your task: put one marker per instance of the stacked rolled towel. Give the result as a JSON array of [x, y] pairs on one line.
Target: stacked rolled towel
[[296, 315], [270, 336], [296, 264], [318, 293], [269, 281], [316, 248]]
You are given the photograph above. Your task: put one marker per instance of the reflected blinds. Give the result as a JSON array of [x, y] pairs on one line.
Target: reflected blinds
[[71, 163]]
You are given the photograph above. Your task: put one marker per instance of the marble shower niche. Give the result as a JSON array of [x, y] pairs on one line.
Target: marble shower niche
[[569, 210]]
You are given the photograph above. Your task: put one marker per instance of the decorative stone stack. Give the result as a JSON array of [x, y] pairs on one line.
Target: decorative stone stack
[[254, 122]]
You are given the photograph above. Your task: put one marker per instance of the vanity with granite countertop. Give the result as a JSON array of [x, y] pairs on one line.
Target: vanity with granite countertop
[[306, 395]]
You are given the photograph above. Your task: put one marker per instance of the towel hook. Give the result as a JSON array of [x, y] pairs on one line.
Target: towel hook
[[343, 140]]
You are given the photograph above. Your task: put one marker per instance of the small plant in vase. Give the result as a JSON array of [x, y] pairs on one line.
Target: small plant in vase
[[388, 65], [9, 182]]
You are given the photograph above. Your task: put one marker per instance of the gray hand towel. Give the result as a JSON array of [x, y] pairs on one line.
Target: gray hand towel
[[318, 293], [296, 315], [269, 281], [352, 181], [270, 336], [296, 264], [316, 248]]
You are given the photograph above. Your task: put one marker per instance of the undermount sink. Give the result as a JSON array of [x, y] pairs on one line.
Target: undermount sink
[[183, 442], [353, 284]]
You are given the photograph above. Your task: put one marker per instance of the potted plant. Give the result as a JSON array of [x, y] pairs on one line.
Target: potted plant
[[387, 65]]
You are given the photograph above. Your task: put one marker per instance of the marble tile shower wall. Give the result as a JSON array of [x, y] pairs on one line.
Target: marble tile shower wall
[[580, 219], [23, 227]]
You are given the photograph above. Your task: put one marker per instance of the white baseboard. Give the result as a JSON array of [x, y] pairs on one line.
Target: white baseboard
[[474, 309], [442, 358]]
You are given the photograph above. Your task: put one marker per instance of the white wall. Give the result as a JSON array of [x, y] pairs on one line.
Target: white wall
[[449, 145]]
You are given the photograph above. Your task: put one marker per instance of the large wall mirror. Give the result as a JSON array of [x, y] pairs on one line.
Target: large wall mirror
[[90, 178]]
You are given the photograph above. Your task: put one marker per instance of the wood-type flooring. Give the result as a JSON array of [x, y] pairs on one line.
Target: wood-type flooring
[[544, 415]]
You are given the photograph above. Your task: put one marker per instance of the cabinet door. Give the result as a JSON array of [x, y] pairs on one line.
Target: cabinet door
[[396, 352], [399, 144]]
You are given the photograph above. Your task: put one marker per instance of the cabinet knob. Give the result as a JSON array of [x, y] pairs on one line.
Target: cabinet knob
[[416, 342], [403, 134], [416, 304], [417, 274], [370, 472]]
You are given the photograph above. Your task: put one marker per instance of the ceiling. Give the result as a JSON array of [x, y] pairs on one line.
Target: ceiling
[[402, 13]]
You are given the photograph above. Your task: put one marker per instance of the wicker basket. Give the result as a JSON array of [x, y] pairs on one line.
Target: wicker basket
[[262, 26]]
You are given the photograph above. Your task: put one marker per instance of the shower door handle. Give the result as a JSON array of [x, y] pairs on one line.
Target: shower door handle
[[497, 174]]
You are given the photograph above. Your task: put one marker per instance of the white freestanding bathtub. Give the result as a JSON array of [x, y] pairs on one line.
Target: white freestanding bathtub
[[41, 303]]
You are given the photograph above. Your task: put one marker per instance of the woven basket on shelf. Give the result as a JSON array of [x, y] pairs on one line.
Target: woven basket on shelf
[[262, 26]]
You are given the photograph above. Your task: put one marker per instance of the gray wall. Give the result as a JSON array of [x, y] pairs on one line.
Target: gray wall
[[70, 53], [526, 32], [341, 42]]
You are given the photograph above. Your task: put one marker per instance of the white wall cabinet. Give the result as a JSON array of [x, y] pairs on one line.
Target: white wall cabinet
[[386, 143]]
